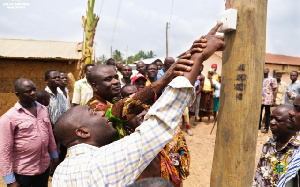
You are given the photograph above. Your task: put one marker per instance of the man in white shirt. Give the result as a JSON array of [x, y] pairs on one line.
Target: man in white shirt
[[83, 92]]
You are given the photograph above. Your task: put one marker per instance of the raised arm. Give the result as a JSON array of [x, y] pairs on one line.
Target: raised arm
[[214, 43]]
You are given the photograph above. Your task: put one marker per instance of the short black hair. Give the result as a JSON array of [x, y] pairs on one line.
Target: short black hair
[[157, 60], [110, 61], [41, 95], [148, 65], [122, 89], [19, 82], [47, 73], [152, 182], [62, 71], [295, 72], [88, 65]]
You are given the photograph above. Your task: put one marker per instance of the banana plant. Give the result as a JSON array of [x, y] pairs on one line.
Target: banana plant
[[89, 24]]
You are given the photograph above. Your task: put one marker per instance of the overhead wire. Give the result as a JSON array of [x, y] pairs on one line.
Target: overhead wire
[[100, 11], [171, 31], [116, 22], [171, 11]]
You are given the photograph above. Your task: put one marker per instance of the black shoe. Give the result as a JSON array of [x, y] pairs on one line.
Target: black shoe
[[264, 131]]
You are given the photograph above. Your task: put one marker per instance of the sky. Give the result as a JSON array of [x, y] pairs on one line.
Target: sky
[[133, 25]]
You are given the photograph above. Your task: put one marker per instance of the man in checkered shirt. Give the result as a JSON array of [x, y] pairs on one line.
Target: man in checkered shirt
[[93, 160]]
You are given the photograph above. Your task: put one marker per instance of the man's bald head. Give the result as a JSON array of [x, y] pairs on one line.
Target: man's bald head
[[168, 62], [19, 82], [82, 124], [64, 128], [105, 82], [97, 70], [25, 90], [141, 67]]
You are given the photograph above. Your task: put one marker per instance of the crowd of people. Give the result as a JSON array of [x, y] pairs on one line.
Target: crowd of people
[[277, 92], [121, 129]]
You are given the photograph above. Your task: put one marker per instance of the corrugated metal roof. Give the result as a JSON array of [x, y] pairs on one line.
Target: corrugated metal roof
[[42, 49], [276, 59]]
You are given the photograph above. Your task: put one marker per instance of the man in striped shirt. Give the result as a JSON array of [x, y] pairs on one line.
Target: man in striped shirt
[[292, 178]]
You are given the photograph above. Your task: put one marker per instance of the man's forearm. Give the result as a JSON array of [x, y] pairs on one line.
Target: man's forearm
[[192, 75]]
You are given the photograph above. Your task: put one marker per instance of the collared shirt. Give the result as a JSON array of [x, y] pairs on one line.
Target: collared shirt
[[273, 163], [67, 99], [83, 92], [119, 165], [267, 95], [280, 92], [294, 89], [57, 105], [26, 142]]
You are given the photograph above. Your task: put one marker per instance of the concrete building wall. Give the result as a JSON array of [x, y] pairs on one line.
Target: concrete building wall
[[34, 70], [215, 59], [286, 68]]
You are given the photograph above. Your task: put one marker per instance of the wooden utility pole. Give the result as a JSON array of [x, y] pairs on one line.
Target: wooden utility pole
[[167, 45], [240, 100]]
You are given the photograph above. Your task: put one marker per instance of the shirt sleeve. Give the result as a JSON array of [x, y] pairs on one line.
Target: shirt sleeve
[[76, 93], [52, 149], [6, 147], [122, 161]]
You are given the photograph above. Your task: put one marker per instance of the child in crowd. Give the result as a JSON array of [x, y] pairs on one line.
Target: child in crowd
[[216, 96]]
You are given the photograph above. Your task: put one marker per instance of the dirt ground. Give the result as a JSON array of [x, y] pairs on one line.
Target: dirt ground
[[201, 146]]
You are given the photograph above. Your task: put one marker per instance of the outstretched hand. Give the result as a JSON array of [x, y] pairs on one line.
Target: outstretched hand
[[214, 42]]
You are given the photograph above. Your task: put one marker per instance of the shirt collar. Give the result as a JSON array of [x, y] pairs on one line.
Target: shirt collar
[[294, 141], [47, 89], [81, 149], [18, 106], [84, 80]]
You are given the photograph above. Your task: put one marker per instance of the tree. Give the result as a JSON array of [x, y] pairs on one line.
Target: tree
[[101, 60], [151, 54], [117, 56]]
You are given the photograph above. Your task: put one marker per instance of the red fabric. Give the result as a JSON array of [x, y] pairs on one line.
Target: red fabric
[[214, 66], [138, 76]]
